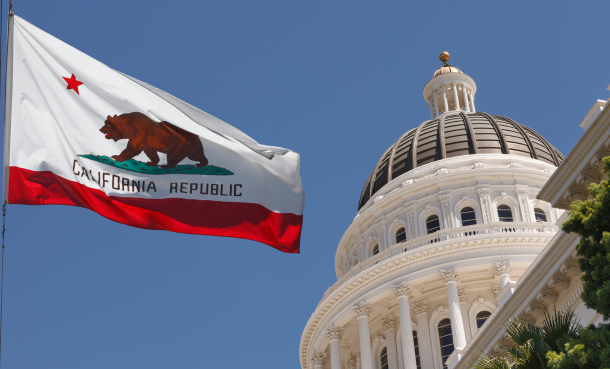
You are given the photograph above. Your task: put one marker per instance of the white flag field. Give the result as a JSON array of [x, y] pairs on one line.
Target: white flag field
[[82, 134]]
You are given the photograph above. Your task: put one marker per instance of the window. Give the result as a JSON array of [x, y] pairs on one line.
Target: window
[[416, 344], [401, 235], [468, 216], [540, 215], [384, 358], [433, 224], [482, 317], [446, 339], [505, 214], [376, 249]]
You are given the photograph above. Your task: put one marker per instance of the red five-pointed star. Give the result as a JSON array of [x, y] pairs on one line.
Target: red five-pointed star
[[73, 83]]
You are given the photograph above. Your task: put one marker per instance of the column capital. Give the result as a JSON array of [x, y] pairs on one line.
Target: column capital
[[449, 275], [362, 309], [483, 191], [445, 197], [334, 333], [421, 307], [388, 323], [318, 358], [462, 295], [402, 289], [503, 267]]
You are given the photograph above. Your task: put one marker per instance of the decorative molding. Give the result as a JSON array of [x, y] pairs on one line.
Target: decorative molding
[[546, 296], [421, 307], [570, 268], [379, 339], [362, 309], [402, 289], [335, 333], [480, 301], [503, 267], [449, 275], [497, 288], [388, 323], [318, 358], [560, 283], [351, 362], [462, 295]]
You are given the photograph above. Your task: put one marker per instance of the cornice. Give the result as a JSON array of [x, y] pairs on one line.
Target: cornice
[[390, 268], [399, 192], [527, 288], [584, 150]]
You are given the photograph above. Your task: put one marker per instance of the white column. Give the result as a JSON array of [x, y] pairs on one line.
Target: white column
[[472, 102], [366, 357], [411, 224], [457, 324], [317, 359], [390, 342], [402, 291], [446, 108], [503, 270], [465, 95], [485, 204], [334, 334], [524, 204], [431, 107], [446, 209], [435, 104], [423, 335], [464, 311], [455, 96]]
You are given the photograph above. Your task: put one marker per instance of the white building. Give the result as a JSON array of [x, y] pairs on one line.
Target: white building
[[449, 228]]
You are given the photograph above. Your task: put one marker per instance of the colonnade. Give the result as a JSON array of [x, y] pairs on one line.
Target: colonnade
[[402, 291], [467, 97]]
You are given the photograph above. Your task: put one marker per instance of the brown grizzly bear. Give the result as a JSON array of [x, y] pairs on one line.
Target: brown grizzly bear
[[146, 135]]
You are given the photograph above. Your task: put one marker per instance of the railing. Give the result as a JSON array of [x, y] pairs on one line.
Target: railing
[[503, 229]]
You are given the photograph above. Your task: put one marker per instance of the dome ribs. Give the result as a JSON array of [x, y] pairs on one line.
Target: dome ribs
[[427, 143], [473, 141], [366, 193], [402, 160], [381, 178], [441, 137], [398, 143], [525, 137], [486, 135], [544, 149], [414, 145], [457, 134]]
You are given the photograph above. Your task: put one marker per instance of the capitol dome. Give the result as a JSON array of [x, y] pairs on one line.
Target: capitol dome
[[447, 223], [453, 135]]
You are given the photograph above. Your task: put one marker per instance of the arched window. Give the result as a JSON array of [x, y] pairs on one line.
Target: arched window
[[446, 339], [482, 317], [401, 235], [505, 214], [433, 224], [376, 249], [416, 344], [468, 216], [384, 358], [540, 215]]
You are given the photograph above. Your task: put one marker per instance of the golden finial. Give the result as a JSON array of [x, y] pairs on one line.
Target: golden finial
[[444, 57]]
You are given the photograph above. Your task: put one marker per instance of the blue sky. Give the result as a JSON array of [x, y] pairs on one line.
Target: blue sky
[[337, 82]]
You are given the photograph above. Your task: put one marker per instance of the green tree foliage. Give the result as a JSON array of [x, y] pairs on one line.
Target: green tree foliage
[[591, 220], [589, 350], [531, 343]]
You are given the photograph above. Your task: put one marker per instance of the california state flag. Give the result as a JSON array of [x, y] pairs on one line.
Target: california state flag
[[80, 133]]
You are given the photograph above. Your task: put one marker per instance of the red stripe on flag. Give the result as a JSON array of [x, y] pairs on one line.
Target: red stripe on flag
[[214, 218]]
